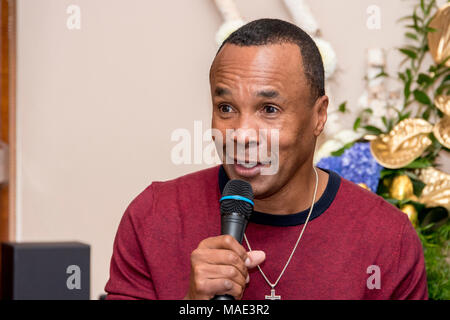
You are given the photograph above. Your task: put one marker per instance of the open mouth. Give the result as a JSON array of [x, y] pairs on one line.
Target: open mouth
[[245, 167], [248, 165], [249, 169]]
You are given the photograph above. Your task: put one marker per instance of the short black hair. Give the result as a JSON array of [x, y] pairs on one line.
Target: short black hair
[[275, 31]]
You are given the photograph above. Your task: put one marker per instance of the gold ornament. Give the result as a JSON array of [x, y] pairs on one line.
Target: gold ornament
[[442, 129], [411, 212], [401, 188], [442, 102], [439, 41], [437, 189], [364, 186], [403, 144]]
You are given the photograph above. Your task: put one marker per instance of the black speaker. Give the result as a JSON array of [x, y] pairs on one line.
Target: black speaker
[[45, 271]]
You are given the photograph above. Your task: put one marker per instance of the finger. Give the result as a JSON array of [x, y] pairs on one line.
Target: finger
[[224, 242], [221, 257], [255, 258], [225, 272], [226, 286]]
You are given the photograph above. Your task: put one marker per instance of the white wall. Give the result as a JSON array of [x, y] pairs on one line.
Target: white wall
[[97, 106]]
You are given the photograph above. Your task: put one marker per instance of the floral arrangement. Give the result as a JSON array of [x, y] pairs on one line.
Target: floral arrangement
[[355, 164], [395, 149]]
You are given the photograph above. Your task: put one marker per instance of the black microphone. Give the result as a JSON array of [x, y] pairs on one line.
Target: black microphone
[[236, 207]]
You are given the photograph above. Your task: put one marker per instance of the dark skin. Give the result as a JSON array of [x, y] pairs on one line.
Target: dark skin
[[261, 87]]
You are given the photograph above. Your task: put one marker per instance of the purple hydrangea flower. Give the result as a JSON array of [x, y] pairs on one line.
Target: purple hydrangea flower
[[356, 164]]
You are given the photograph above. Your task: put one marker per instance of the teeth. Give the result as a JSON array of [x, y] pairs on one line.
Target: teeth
[[248, 165]]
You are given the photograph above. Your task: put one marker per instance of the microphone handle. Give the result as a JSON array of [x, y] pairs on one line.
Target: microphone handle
[[233, 224]]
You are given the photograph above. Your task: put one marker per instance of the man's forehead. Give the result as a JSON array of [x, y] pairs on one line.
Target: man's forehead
[[272, 58]]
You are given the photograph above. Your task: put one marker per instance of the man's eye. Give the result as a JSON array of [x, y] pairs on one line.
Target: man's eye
[[270, 109], [225, 108]]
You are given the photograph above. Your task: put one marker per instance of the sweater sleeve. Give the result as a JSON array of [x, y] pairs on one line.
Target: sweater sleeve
[[130, 278], [411, 275]]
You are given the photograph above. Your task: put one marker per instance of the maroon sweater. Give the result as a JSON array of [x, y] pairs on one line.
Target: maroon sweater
[[351, 229]]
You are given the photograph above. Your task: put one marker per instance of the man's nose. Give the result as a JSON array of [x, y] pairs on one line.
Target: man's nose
[[246, 132]]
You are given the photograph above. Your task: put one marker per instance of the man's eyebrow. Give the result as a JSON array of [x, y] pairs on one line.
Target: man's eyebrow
[[220, 91], [268, 94]]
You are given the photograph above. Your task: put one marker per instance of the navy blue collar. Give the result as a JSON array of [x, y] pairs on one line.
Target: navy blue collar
[[294, 219]]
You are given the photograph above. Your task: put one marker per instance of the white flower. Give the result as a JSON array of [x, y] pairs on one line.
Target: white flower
[[302, 15], [378, 107], [375, 57], [347, 135], [327, 148], [328, 56], [226, 29], [228, 9], [333, 124], [363, 101]]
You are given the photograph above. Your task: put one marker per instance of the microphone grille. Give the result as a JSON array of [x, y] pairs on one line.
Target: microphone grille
[[237, 188]]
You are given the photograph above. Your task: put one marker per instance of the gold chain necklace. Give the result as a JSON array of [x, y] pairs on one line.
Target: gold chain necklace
[[273, 285]]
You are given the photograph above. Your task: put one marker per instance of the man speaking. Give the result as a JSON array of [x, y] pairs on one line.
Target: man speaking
[[312, 234]]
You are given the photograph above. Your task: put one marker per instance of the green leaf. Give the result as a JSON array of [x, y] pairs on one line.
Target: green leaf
[[381, 74], [443, 88], [415, 27], [405, 18], [373, 130], [404, 116], [409, 53], [411, 35], [387, 172], [387, 123], [368, 110], [411, 175], [417, 187], [409, 74], [426, 114], [415, 18], [419, 163], [430, 5], [424, 79], [408, 82], [392, 201], [342, 107], [422, 97], [407, 90], [357, 123], [342, 150]]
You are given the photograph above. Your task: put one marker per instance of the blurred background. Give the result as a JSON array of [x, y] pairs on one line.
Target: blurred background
[[101, 85]]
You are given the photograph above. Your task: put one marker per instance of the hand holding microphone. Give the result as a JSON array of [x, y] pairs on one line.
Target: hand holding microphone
[[219, 265]]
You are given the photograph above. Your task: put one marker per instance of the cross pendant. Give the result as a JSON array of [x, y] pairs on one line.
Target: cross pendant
[[273, 296]]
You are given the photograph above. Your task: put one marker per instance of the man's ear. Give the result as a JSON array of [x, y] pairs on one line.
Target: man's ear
[[320, 111]]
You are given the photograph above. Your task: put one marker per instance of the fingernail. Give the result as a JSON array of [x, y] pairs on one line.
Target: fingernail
[[247, 262], [248, 279]]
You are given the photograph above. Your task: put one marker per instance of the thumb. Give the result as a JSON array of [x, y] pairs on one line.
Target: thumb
[[254, 258]]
